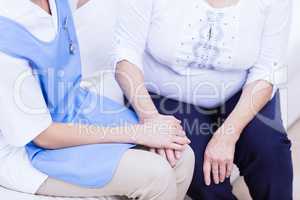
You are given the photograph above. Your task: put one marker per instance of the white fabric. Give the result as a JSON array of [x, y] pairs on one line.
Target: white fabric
[[216, 48], [24, 114], [95, 22]]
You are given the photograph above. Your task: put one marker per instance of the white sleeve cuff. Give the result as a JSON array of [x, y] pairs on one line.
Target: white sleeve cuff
[[29, 133], [275, 76], [128, 55], [274, 90]]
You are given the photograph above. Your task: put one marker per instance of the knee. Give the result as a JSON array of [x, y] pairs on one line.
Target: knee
[[161, 179], [263, 138], [189, 156], [163, 175], [272, 146], [267, 148], [186, 165]]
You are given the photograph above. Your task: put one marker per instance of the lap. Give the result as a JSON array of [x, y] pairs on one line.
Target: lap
[[139, 166], [70, 164], [266, 130], [262, 152]]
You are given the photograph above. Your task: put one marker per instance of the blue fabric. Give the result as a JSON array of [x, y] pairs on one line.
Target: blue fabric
[[57, 66], [262, 153]]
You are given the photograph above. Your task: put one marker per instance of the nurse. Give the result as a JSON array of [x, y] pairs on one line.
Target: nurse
[[79, 144], [215, 65]]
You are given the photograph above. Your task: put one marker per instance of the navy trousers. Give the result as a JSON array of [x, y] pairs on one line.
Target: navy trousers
[[262, 153]]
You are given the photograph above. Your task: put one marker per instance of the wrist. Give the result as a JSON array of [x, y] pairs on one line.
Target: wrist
[[137, 134], [128, 134], [228, 139], [149, 115], [229, 132]]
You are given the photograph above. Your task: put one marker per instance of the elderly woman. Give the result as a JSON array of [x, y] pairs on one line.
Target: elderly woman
[[78, 144], [215, 65]]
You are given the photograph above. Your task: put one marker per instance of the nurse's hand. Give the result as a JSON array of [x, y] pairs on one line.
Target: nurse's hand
[[218, 157]]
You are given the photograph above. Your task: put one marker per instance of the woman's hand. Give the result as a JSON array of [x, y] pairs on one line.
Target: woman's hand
[[218, 157], [170, 155], [162, 133]]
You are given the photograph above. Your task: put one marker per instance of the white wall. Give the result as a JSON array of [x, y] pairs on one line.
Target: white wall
[[290, 93]]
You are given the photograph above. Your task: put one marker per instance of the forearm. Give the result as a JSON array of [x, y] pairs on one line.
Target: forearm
[[70, 135], [131, 80], [254, 97]]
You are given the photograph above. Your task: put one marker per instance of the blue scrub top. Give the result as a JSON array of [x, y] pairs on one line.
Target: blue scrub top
[[57, 66]]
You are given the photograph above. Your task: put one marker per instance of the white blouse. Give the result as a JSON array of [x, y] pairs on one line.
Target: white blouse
[[193, 52]]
